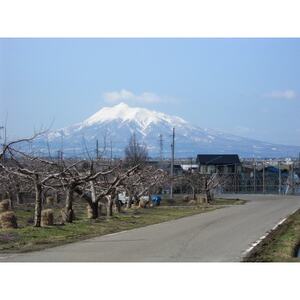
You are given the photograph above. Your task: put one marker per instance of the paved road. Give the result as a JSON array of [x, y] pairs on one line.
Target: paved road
[[220, 235]]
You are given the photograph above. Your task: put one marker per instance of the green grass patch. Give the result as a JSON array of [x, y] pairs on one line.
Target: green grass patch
[[281, 244]]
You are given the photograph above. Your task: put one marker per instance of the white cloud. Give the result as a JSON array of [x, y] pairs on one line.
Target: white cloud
[[285, 95], [128, 96]]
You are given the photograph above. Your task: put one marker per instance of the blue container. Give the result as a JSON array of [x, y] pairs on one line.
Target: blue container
[[156, 200]]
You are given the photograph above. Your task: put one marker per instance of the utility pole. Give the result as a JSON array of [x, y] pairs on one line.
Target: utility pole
[[172, 163], [279, 178], [4, 128], [235, 178], [3, 145], [264, 189], [97, 149], [254, 176], [161, 147], [293, 179], [4, 140]]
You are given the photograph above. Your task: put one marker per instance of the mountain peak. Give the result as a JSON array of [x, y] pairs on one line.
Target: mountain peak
[[121, 104], [124, 113]]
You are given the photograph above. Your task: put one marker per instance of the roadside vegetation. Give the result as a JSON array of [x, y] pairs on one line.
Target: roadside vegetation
[[188, 200], [281, 245], [28, 238]]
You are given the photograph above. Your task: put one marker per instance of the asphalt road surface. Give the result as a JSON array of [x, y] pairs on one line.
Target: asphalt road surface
[[222, 235]]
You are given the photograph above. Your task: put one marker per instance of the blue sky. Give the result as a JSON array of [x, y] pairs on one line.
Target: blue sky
[[249, 87]]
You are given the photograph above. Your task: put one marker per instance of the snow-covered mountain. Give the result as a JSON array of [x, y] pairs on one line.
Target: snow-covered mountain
[[115, 125]]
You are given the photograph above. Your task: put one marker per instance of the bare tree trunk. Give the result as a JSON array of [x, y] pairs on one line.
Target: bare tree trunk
[[194, 193], [95, 209], [56, 197], [69, 205], [136, 199], [38, 204], [109, 209], [208, 196], [117, 204], [19, 196], [129, 199], [44, 196], [94, 204], [100, 206], [9, 197]]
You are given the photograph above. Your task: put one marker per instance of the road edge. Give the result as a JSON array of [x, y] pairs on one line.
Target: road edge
[[255, 246]]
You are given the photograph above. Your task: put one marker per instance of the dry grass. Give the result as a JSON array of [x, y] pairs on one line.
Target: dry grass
[[89, 212], [4, 205], [144, 203], [50, 201], [280, 245], [186, 198], [47, 217], [65, 215], [8, 219], [192, 202]]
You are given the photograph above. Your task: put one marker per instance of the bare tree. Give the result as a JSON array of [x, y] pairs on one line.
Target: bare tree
[[145, 181], [135, 153], [203, 183], [94, 181]]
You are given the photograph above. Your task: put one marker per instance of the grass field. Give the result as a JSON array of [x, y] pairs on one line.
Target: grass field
[[280, 245], [28, 238]]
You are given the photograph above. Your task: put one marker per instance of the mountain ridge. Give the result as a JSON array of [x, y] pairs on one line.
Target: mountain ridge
[[117, 123]]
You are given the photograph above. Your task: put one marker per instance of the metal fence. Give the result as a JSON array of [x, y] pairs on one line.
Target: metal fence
[[281, 178], [260, 179]]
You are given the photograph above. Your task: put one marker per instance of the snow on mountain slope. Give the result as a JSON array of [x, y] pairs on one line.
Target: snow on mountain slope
[[124, 113], [117, 123]]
